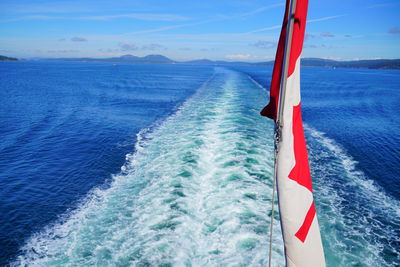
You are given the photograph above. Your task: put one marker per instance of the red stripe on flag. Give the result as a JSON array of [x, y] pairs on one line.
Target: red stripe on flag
[[305, 227], [270, 110], [299, 27], [301, 171]]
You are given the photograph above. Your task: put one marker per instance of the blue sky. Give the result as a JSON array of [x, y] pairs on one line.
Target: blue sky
[[215, 29]]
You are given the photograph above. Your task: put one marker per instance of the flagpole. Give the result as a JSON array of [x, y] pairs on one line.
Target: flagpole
[[281, 102], [286, 58]]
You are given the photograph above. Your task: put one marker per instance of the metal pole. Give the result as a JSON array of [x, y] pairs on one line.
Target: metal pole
[[286, 58], [281, 102]]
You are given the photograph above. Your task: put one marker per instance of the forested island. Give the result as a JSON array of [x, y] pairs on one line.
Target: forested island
[[4, 58], [160, 59]]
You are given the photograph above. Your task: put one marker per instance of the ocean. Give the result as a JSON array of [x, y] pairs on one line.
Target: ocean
[[171, 165]]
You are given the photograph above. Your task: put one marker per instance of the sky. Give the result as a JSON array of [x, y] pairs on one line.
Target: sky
[[244, 30]]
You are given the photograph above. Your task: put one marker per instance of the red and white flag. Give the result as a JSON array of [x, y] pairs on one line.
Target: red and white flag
[[302, 239]]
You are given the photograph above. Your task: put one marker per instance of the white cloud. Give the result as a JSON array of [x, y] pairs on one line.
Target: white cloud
[[239, 56], [246, 57], [395, 30], [128, 46], [383, 5], [63, 51], [325, 18], [258, 10], [150, 17], [308, 21], [263, 44], [153, 47], [327, 34], [266, 29], [78, 39], [219, 18], [143, 16]]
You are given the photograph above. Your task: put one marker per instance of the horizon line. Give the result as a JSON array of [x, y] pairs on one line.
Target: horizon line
[[185, 60]]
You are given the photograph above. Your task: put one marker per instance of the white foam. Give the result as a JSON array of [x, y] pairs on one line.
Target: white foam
[[351, 206], [258, 84], [196, 191], [367, 186]]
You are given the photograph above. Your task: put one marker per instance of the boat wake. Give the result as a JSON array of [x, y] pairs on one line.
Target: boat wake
[[197, 192], [359, 222]]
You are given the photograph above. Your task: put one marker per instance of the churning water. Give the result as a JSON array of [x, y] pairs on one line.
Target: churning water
[[194, 188]]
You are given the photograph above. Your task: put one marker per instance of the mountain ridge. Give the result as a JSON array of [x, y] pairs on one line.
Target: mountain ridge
[[4, 58], [161, 59]]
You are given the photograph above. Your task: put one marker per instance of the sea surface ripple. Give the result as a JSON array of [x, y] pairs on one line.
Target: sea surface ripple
[[195, 184]]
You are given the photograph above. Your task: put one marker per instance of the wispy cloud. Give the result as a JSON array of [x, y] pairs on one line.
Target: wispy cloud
[[313, 46], [239, 56], [48, 7], [220, 18], [308, 21], [109, 50], [161, 29], [149, 17], [321, 35], [31, 17], [5, 50], [266, 29], [325, 18], [327, 34], [310, 46], [63, 51], [310, 36], [263, 44], [388, 4], [247, 57], [139, 16], [155, 17], [395, 30], [128, 46], [258, 10], [78, 39], [152, 47]]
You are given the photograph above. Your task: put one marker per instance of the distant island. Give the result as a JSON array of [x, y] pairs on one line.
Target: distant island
[[366, 64], [4, 58], [160, 59]]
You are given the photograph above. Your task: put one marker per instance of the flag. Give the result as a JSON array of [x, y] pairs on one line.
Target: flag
[[301, 235]]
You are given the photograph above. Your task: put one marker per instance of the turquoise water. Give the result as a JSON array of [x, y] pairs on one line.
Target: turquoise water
[[195, 190]]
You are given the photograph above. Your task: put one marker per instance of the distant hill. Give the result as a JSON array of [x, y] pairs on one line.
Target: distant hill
[[200, 62], [145, 59], [307, 62], [4, 58], [369, 64], [125, 58], [316, 62], [216, 62]]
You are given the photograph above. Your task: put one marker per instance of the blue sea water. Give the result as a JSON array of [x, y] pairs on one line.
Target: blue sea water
[[104, 164]]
